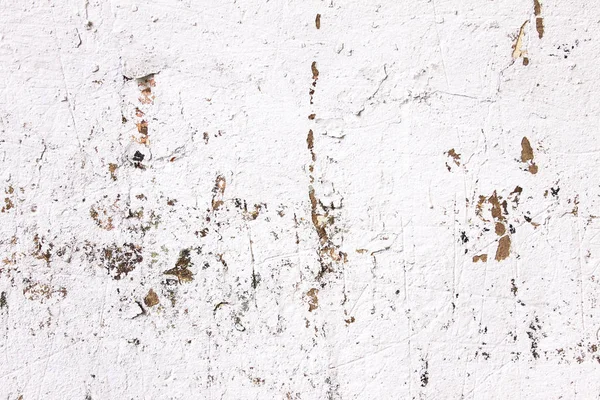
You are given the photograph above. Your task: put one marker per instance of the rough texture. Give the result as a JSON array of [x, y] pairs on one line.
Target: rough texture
[[299, 199]]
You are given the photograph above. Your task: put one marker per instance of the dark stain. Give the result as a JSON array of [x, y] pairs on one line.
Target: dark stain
[[3, 303], [120, 261], [181, 270], [318, 21], [138, 157], [112, 168], [534, 334], [425, 374]]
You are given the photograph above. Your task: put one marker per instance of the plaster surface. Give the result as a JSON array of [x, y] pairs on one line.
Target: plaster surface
[[284, 199]]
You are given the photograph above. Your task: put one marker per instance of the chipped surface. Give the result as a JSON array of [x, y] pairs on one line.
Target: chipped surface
[[299, 200]]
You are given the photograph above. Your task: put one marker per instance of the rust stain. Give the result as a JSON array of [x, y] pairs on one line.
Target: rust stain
[[312, 116], [310, 141], [103, 221], [500, 229], [318, 21], [315, 71], [503, 250], [313, 300], [481, 257], [452, 153], [526, 150], [527, 155], [316, 218], [181, 270], [539, 21], [151, 298], [479, 208], [537, 8], [496, 209], [539, 26], [112, 168], [218, 191]]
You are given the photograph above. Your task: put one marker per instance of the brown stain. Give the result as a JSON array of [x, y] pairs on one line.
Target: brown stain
[[315, 71], [479, 208], [527, 155], [533, 169], [313, 299], [318, 21], [503, 250], [8, 204], [350, 320], [319, 227], [526, 150], [525, 61], [38, 251], [452, 153], [481, 257], [121, 260], [147, 84], [537, 7], [151, 298], [218, 191], [539, 21], [539, 26], [312, 116], [500, 229], [310, 141], [496, 209], [112, 168], [100, 216], [181, 270], [40, 291], [252, 215]]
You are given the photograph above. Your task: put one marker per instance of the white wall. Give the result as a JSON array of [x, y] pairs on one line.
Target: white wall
[[217, 200]]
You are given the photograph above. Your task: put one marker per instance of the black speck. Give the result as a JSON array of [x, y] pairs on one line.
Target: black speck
[[463, 237], [138, 156], [555, 191]]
